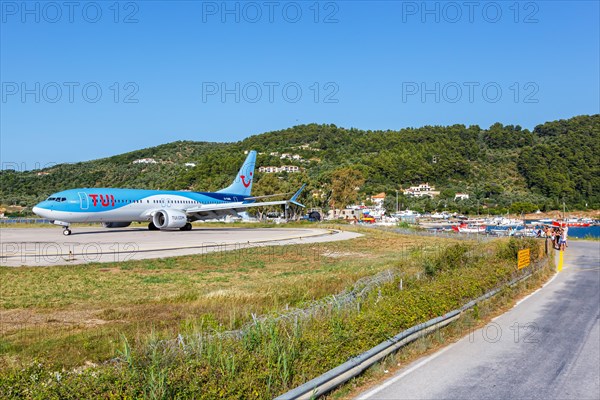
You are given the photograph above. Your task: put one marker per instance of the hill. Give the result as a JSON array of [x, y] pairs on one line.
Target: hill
[[503, 167]]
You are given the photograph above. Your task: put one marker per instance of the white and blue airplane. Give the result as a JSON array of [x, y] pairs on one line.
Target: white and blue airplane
[[164, 210]]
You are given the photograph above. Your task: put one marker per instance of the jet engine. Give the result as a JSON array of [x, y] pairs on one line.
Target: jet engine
[[116, 224], [169, 219]]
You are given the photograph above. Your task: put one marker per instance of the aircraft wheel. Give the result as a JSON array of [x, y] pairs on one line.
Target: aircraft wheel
[[152, 227], [186, 227], [66, 232]]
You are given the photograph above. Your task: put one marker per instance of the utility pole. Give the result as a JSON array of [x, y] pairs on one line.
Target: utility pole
[[397, 201]]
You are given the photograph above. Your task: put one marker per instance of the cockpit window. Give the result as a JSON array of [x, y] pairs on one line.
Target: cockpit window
[[63, 199]]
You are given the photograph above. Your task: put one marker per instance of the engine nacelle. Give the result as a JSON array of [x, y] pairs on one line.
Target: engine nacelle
[[169, 219], [116, 224]]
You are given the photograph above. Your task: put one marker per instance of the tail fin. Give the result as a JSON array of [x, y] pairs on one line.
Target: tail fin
[[242, 184]]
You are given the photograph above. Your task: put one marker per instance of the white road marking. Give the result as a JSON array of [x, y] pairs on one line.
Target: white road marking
[[403, 374], [543, 286]]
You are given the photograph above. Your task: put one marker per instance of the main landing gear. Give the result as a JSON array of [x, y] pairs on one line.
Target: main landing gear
[[152, 227], [66, 231]]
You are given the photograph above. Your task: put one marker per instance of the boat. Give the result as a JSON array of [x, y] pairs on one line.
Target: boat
[[475, 221], [572, 222], [466, 228], [502, 221], [442, 215], [367, 220], [406, 213], [410, 216]]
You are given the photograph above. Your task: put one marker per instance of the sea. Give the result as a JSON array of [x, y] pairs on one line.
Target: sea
[[579, 232]]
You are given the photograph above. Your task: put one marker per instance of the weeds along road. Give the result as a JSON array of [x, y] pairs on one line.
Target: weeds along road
[[546, 347]]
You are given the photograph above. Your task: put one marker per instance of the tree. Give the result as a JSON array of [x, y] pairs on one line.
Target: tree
[[345, 183]]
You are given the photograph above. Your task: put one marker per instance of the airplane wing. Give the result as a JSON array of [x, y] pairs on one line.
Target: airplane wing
[[209, 211]]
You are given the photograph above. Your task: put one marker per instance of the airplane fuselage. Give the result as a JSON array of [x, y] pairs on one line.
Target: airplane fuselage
[[123, 205]]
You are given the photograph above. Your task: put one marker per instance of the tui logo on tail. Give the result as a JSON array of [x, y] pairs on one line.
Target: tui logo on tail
[[242, 184], [243, 178]]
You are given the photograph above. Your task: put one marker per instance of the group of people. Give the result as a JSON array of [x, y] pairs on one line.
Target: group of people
[[558, 235]]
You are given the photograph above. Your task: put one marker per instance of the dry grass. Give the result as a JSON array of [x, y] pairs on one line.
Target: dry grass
[[71, 314]]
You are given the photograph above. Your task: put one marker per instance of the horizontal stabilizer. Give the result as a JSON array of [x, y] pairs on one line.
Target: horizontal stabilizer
[[295, 197]]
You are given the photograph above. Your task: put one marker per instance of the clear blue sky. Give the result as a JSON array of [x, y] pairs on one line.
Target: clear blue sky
[[371, 63]]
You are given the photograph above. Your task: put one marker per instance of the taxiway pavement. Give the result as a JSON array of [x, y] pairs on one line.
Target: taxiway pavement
[[46, 246]]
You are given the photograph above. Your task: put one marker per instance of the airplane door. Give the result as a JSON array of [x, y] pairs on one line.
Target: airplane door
[[84, 202]]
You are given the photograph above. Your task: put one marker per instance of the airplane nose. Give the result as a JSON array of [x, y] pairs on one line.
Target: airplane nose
[[37, 210]]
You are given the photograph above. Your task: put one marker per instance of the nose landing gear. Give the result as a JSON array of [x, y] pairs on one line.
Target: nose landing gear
[[65, 225]]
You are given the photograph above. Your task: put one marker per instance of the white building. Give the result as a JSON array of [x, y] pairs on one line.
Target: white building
[[289, 168], [283, 168], [190, 164], [268, 170], [421, 191], [461, 196], [378, 199], [145, 161], [289, 156]]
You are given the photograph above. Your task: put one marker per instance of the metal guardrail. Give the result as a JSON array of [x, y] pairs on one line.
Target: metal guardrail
[[356, 365]]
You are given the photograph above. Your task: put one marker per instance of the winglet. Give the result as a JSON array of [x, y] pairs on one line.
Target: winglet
[[295, 197]]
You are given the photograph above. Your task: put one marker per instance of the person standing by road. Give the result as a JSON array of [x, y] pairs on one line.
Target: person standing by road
[[563, 237]]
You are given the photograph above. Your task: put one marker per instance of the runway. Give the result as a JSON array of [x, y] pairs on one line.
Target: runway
[[46, 246]]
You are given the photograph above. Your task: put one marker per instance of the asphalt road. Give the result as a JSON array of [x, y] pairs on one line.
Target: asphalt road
[[47, 246], [546, 347]]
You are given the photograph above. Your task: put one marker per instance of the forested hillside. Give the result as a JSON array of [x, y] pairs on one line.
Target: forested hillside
[[501, 168]]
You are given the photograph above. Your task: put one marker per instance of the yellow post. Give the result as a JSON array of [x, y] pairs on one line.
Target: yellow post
[[560, 260]]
